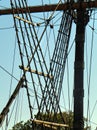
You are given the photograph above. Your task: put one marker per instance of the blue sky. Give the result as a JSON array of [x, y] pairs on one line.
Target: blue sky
[[7, 45]]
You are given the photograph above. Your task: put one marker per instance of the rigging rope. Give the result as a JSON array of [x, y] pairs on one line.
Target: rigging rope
[[10, 90], [68, 85], [30, 60], [3, 68], [27, 35], [54, 85], [13, 63], [90, 66]]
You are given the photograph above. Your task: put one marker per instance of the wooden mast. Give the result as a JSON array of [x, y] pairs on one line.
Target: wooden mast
[[82, 20]]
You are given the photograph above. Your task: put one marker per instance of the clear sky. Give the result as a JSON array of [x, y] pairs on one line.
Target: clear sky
[[8, 46]]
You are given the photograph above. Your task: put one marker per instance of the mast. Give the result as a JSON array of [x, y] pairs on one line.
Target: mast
[[82, 19]]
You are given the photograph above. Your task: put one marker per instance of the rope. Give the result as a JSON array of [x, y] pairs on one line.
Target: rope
[[20, 47], [53, 89], [11, 82], [27, 55], [68, 84], [16, 111], [26, 32], [41, 69], [38, 41], [47, 37], [3, 68], [90, 66], [6, 28], [9, 119], [44, 103], [55, 10], [93, 109], [13, 63]]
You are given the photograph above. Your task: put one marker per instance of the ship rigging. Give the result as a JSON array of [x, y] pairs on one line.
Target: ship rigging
[[43, 62]]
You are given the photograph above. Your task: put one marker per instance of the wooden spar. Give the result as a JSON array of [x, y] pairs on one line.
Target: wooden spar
[[52, 7], [36, 72], [11, 99], [50, 123], [24, 20]]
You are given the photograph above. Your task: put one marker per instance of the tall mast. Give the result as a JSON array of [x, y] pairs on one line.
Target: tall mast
[[82, 19]]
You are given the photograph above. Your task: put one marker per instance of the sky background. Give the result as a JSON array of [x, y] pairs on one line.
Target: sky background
[[8, 46]]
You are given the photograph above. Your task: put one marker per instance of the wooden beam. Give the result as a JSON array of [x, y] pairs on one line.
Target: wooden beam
[[35, 72], [50, 123], [10, 101], [24, 20], [52, 7]]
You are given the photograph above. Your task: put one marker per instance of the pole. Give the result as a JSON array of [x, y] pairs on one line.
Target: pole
[[82, 19], [10, 101]]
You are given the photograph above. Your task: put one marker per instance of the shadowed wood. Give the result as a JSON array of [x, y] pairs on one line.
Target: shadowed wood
[[46, 8]]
